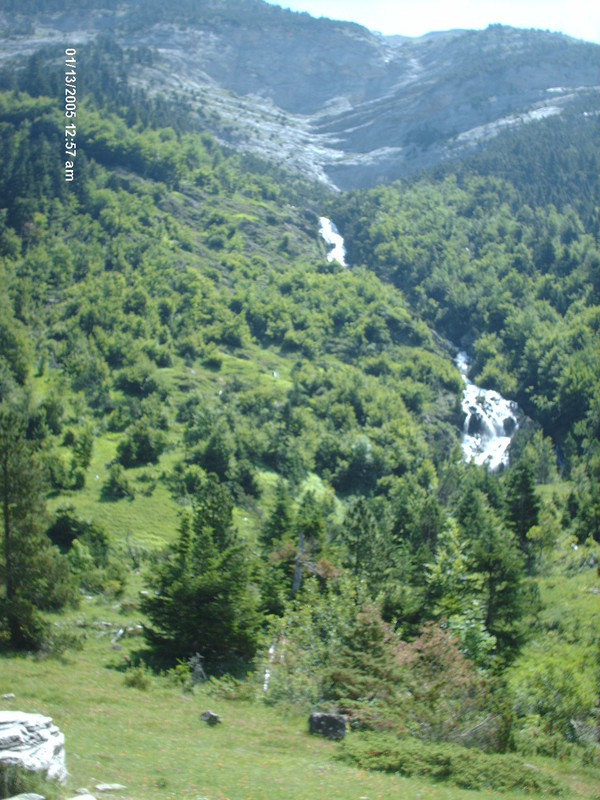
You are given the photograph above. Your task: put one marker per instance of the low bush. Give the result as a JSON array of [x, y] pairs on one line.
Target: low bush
[[116, 486], [230, 688], [468, 769], [141, 445], [138, 678]]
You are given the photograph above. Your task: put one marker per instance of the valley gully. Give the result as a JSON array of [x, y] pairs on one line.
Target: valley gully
[[70, 112], [490, 420]]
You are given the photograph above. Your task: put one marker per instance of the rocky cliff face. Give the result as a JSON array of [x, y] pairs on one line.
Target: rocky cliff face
[[331, 98]]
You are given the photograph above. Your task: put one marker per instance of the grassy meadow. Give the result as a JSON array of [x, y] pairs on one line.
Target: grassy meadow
[[149, 737]]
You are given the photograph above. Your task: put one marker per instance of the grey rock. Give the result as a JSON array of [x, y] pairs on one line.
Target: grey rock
[[110, 787], [331, 726], [27, 796], [211, 718], [9, 696], [34, 743]]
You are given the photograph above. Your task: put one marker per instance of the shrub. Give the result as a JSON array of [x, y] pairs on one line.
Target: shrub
[[67, 527], [304, 641], [140, 445], [181, 675], [117, 486], [212, 358], [188, 673], [446, 697], [554, 696], [468, 769], [230, 688], [138, 678], [60, 638], [140, 378]]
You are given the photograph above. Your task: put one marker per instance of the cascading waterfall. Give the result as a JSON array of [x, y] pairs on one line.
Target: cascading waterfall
[[334, 241], [490, 422]]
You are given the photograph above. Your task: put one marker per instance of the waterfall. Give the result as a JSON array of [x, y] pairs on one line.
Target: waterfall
[[334, 241], [490, 422]]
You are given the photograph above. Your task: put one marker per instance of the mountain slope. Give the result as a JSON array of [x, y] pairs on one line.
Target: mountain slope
[[331, 98], [191, 371]]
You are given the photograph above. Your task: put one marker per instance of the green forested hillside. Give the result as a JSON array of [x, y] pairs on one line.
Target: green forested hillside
[[516, 283], [182, 368]]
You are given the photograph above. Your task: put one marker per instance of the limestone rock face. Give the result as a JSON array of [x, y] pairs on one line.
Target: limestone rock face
[[33, 742], [329, 98]]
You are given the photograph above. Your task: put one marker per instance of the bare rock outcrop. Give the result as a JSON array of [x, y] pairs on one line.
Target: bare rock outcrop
[[331, 726], [33, 742], [329, 98]]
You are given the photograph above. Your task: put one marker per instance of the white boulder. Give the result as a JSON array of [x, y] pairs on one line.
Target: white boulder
[[33, 742]]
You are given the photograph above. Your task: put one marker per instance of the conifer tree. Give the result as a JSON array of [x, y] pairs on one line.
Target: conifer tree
[[33, 575], [362, 538], [496, 558], [522, 503], [202, 598], [362, 676], [280, 520]]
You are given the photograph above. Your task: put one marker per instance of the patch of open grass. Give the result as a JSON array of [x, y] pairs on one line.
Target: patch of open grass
[[153, 742], [148, 735], [149, 520], [559, 489]]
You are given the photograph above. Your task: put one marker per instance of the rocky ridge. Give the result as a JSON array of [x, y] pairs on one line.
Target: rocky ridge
[[332, 99]]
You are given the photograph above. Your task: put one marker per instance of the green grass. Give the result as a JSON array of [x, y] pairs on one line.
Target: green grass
[[154, 743], [149, 520], [559, 489]]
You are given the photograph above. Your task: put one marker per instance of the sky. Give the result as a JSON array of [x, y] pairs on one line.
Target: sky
[[577, 18]]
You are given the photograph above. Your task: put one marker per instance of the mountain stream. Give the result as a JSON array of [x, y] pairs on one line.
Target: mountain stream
[[490, 420]]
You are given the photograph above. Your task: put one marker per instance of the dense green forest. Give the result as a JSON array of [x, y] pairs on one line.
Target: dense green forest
[[189, 388]]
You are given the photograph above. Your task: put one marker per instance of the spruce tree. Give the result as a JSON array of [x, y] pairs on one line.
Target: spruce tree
[[202, 598], [495, 556], [362, 676], [33, 575], [361, 537], [522, 504], [280, 520]]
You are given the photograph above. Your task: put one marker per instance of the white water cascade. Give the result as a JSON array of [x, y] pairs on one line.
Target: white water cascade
[[490, 422], [334, 241]]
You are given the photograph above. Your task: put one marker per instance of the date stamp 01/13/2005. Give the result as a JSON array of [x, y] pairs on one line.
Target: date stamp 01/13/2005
[[70, 112]]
